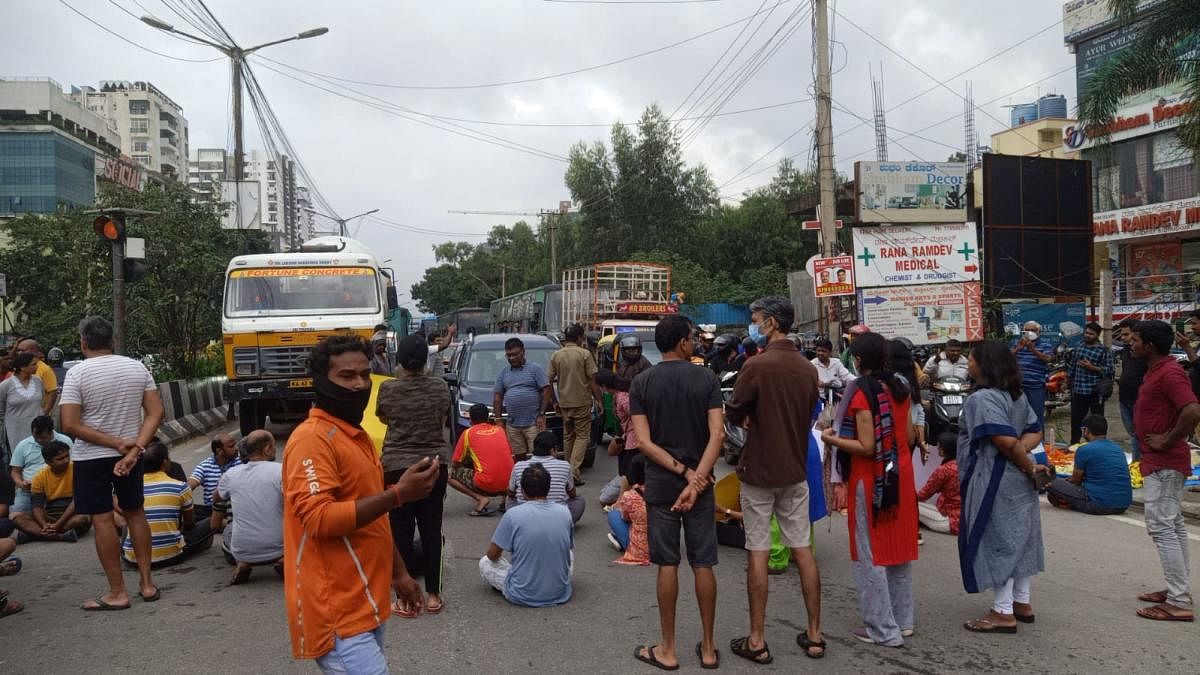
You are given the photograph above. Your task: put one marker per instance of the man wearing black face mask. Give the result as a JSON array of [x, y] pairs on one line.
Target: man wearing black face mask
[[338, 550]]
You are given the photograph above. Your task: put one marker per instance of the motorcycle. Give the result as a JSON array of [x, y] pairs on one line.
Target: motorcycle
[[946, 405], [735, 435]]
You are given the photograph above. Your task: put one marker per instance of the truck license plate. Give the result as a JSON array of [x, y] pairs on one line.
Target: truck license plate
[[300, 384], [952, 400]]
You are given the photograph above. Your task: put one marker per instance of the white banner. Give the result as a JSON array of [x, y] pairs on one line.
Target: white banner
[[911, 192], [902, 255], [924, 314], [1147, 113], [1153, 220]]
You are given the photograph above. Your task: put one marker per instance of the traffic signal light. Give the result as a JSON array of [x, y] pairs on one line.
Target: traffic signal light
[[110, 226], [133, 270]]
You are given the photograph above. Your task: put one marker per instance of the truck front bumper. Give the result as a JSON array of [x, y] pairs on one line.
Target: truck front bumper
[[294, 389]]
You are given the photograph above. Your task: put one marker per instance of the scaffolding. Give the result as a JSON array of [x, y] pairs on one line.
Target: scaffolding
[[613, 291]]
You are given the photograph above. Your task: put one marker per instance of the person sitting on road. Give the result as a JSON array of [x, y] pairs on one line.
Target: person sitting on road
[[829, 369], [482, 463], [174, 530], [255, 493], [562, 486], [539, 535], [627, 521], [944, 483], [27, 460], [52, 495], [948, 363], [1100, 483], [207, 474]]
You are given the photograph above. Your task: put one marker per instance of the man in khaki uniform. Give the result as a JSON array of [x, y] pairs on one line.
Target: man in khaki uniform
[[573, 369]]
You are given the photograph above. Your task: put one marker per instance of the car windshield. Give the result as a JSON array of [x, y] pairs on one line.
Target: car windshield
[[283, 291], [485, 364]]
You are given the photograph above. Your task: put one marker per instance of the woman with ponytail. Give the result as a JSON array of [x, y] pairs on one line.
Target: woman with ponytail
[[874, 439]]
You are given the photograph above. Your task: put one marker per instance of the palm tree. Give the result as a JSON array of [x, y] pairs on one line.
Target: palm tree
[[1152, 60]]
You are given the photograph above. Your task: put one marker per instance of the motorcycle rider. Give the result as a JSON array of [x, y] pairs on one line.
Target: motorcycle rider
[[749, 348], [632, 361], [724, 352], [829, 369], [947, 363]]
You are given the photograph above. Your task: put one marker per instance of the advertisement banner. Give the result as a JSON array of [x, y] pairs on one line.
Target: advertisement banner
[[1058, 320], [910, 192], [1153, 268], [924, 314], [902, 255], [833, 276], [647, 308], [1083, 17], [1164, 218], [1146, 113]]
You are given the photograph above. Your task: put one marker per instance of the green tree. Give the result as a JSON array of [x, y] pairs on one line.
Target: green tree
[[1153, 59], [62, 272]]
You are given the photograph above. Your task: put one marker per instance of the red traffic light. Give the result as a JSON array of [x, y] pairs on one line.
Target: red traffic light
[[110, 228]]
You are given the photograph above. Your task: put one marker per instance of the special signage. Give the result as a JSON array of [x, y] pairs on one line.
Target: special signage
[[647, 308], [121, 170], [925, 314], [1164, 218], [902, 255], [833, 276], [910, 192], [1163, 110]]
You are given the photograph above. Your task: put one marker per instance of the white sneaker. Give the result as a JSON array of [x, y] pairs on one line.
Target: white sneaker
[[612, 539]]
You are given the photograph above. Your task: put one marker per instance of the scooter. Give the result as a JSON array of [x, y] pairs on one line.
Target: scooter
[[735, 435], [946, 405]]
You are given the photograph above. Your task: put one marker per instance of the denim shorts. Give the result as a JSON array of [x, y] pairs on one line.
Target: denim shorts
[[360, 654]]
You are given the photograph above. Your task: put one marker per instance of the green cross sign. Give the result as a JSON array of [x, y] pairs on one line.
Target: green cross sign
[[966, 251], [866, 257]]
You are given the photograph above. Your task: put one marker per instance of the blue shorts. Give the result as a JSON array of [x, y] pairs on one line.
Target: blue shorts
[[360, 654]]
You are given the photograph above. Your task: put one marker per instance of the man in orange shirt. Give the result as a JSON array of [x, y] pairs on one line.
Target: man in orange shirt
[[338, 550], [482, 461]]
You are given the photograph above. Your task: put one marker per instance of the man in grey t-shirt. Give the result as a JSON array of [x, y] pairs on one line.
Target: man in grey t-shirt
[[255, 491]]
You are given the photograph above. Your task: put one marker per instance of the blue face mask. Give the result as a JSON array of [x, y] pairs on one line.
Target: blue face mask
[[757, 336]]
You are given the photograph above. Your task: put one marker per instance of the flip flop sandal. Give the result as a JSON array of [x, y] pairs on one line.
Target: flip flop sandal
[[700, 655], [154, 597], [1157, 597], [1159, 613], [651, 659], [741, 647], [986, 626], [11, 566], [806, 643], [102, 606], [402, 610], [1024, 618], [435, 609], [476, 513], [241, 575], [9, 607]]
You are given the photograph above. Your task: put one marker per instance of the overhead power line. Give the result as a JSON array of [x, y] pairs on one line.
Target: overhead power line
[[117, 35], [541, 78], [631, 2]]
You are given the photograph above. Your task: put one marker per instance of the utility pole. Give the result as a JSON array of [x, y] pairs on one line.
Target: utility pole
[[235, 62], [552, 226], [826, 177]]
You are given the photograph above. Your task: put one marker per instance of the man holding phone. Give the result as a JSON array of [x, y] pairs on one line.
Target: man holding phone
[[1033, 353], [338, 548], [1185, 343]]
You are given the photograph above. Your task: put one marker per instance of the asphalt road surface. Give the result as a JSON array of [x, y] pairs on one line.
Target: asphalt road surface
[[1085, 604]]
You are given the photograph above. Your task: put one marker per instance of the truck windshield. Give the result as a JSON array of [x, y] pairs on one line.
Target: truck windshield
[[289, 291]]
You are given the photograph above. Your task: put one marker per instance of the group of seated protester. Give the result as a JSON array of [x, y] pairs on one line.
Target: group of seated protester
[[44, 507]]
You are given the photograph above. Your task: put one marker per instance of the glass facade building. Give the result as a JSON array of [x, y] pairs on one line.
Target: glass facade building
[[41, 170]]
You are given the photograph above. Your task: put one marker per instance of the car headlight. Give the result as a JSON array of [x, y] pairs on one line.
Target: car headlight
[[464, 409]]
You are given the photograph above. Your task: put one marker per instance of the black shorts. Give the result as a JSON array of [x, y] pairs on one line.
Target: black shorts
[[95, 484], [699, 532]]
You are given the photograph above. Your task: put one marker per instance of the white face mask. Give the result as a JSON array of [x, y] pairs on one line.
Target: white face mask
[[1030, 335]]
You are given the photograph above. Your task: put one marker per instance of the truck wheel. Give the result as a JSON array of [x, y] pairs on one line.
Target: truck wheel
[[251, 416]]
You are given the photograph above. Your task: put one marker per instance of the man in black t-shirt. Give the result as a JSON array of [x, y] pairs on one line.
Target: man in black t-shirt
[[1132, 371], [677, 414]]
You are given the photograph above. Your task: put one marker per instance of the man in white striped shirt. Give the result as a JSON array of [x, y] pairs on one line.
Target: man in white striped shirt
[[562, 485], [103, 401]]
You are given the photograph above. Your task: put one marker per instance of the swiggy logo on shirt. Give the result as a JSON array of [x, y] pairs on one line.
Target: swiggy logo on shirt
[[314, 486]]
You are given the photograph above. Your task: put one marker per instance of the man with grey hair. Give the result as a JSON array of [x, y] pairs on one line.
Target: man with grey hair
[[111, 406], [1033, 353], [775, 397], [255, 492]]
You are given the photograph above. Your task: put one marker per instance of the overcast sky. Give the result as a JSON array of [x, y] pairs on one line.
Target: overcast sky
[[363, 158]]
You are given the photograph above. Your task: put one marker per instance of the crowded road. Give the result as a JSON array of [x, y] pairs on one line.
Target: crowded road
[[1085, 603]]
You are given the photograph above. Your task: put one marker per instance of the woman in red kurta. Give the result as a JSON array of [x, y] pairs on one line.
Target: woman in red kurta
[[875, 434]]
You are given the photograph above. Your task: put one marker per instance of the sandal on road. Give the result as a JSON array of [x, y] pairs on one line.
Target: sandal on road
[[649, 657], [1026, 615], [241, 575], [102, 606], [12, 565], [1162, 612], [8, 606], [700, 655], [404, 610], [808, 644], [986, 626], [1157, 597], [484, 512], [741, 647]]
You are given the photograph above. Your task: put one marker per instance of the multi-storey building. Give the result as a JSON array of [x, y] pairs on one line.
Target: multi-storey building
[[271, 200], [153, 129]]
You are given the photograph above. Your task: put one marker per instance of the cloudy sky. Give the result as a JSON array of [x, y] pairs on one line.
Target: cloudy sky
[[363, 157]]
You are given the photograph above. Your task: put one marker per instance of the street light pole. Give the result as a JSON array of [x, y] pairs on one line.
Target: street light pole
[[341, 221]]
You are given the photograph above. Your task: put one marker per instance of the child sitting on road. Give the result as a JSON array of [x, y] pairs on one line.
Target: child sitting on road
[[944, 483], [628, 519], [53, 498]]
